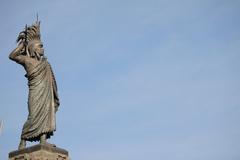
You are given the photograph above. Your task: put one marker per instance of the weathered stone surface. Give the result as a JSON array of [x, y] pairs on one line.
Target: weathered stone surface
[[40, 152]]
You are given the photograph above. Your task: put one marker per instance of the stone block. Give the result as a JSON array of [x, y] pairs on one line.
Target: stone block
[[40, 152]]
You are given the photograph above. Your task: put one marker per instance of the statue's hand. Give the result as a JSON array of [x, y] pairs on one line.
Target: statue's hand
[[21, 45], [21, 37], [21, 48]]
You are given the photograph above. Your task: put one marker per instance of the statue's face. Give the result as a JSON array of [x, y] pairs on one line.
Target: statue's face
[[38, 48]]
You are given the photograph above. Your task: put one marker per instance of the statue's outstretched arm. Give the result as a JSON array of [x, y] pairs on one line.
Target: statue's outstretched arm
[[15, 55]]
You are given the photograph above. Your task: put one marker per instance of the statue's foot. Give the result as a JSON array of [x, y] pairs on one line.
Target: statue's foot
[[22, 144]]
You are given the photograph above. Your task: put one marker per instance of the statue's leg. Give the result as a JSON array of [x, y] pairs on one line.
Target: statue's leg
[[43, 139], [22, 144]]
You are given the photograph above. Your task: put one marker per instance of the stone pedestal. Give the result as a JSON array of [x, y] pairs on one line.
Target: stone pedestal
[[40, 152]]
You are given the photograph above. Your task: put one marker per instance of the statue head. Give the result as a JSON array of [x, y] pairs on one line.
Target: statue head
[[35, 49], [32, 39]]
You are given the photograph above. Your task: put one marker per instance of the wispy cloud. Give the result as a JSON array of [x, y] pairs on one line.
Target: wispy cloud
[[137, 79]]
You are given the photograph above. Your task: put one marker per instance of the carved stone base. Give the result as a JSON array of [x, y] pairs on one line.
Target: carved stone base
[[40, 152]]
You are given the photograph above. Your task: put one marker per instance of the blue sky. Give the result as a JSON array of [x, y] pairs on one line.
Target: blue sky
[[146, 79]]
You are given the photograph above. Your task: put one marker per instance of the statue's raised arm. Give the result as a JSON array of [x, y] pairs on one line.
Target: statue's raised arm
[[43, 99], [16, 54]]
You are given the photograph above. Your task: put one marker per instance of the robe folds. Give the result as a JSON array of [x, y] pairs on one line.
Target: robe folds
[[43, 102]]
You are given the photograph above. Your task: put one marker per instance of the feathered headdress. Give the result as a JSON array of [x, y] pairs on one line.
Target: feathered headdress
[[30, 33]]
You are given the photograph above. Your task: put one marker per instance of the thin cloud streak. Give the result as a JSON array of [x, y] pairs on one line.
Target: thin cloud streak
[[137, 79]]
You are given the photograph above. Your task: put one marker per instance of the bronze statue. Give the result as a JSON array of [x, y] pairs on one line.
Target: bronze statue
[[43, 98]]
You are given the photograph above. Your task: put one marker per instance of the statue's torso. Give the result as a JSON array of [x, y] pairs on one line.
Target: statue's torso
[[30, 64]]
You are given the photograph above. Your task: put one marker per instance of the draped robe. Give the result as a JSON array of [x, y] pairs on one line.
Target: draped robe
[[43, 102]]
